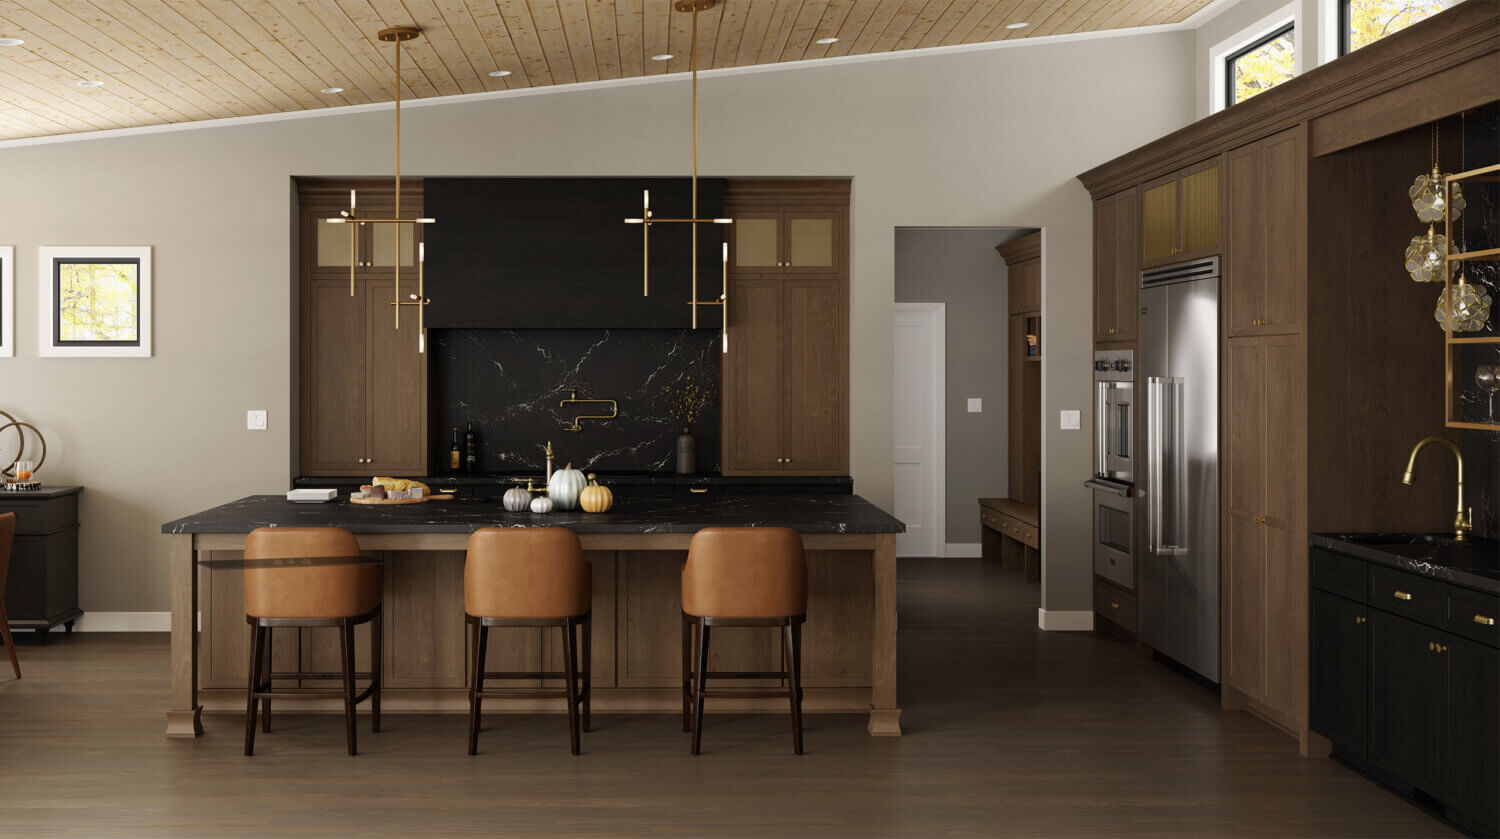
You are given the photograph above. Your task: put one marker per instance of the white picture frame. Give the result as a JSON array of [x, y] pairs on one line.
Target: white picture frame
[[7, 301], [49, 261]]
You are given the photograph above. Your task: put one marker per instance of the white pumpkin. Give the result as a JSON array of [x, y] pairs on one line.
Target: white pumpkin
[[517, 500], [541, 504], [564, 487]]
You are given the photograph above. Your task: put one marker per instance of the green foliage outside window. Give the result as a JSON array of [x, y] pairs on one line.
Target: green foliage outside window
[[98, 301], [1263, 67], [1368, 21]]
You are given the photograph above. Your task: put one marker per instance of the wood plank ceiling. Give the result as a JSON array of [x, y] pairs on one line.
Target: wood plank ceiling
[[170, 61]]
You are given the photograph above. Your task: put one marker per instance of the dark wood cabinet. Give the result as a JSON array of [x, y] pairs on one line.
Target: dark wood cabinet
[[363, 382], [1180, 215], [1339, 661], [42, 589], [1408, 692], [785, 381], [1116, 267], [1399, 696], [1264, 252], [1472, 737]]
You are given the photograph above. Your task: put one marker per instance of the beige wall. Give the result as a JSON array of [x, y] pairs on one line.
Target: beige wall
[[981, 138]]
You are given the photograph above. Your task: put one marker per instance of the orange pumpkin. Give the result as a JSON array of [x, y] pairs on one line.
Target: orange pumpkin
[[595, 498]]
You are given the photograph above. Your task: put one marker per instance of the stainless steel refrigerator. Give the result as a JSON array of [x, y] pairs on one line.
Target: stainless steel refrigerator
[[1178, 364]]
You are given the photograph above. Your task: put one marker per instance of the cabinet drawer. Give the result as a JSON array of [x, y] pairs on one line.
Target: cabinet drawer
[[1474, 614], [41, 515], [1341, 575], [1408, 595], [1115, 605]]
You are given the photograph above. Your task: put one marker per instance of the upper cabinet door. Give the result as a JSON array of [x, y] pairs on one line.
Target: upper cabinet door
[[1180, 215], [333, 378], [812, 243], [1265, 237], [1116, 228], [755, 242], [814, 332], [1245, 252]]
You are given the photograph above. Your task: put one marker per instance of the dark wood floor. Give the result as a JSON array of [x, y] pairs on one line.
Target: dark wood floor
[[1011, 731]]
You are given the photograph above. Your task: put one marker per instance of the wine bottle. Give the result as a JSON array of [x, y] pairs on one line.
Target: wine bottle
[[454, 454], [471, 450]]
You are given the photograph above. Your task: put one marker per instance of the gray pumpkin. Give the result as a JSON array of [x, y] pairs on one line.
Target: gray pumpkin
[[517, 500]]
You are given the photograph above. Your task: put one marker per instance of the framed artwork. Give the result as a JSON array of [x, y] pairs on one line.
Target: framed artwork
[[7, 302], [95, 302]]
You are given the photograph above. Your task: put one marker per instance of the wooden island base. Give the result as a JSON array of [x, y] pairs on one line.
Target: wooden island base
[[849, 641]]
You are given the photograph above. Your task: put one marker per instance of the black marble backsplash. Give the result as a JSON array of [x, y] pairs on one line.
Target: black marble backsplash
[[508, 383], [1481, 144]]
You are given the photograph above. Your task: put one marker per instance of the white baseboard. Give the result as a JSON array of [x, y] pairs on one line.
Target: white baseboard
[[966, 550], [1059, 621], [127, 622]]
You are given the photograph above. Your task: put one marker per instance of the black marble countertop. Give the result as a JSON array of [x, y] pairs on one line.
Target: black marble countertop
[[605, 477], [47, 491], [672, 514], [1473, 564]]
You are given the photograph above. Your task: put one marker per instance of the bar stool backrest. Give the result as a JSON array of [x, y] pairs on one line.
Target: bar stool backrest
[[7, 539], [745, 572], [526, 572], [330, 590]]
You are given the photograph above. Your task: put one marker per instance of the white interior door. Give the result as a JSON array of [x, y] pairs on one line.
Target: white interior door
[[918, 420]]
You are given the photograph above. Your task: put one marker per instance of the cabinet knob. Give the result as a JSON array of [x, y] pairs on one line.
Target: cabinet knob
[[1113, 331], [1114, 605], [1431, 646], [1484, 621], [1401, 595], [1359, 619], [788, 460]]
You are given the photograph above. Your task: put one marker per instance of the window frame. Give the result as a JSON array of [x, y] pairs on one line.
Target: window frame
[[1229, 59], [1342, 14]]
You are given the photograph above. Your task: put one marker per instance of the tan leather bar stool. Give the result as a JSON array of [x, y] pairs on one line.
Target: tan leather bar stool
[[529, 577], [742, 576], [7, 539], [309, 576]]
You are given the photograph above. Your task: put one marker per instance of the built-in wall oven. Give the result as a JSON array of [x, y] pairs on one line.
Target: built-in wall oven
[[1114, 466]]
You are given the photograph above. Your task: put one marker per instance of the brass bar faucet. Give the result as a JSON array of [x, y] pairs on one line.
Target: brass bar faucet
[[546, 476], [1463, 519], [614, 410]]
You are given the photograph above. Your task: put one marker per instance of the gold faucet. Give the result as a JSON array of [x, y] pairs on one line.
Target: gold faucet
[[614, 410], [1463, 520], [546, 476]]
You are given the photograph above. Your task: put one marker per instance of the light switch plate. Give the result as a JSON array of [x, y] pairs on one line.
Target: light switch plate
[[976, 406], [255, 420], [1071, 420]]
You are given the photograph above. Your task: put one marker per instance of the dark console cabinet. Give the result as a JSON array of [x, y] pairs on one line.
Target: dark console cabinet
[[513, 253], [42, 589], [1403, 679]]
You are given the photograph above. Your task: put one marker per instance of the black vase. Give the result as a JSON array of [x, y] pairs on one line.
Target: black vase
[[687, 452]]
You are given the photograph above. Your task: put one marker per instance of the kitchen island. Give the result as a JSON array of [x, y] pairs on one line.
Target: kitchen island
[[635, 550]]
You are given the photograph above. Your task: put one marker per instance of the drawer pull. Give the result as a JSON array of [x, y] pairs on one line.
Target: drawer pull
[[1359, 619], [1481, 619], [1401, 595], [699, 490], [1114, 605]]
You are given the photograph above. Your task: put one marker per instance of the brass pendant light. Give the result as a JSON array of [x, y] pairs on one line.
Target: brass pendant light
[[647, 220], [394, 35], [1427, 256], [1426, 192]]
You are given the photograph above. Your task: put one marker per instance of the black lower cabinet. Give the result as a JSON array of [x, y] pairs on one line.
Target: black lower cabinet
[[1339, 668], [1407, 702], [1473, 735], [1408, 692]]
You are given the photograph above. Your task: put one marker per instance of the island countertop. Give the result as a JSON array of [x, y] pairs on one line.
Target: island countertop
[[809, 514]]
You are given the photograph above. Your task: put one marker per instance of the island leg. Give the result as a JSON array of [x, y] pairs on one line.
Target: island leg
[[183, 715], [885, 714]]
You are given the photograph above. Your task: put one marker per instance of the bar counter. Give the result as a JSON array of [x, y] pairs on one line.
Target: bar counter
[[635, 549]]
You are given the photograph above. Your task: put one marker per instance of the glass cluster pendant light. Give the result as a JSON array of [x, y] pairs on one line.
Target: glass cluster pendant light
[[1463, 307], [1426, 192], [1426, 256]]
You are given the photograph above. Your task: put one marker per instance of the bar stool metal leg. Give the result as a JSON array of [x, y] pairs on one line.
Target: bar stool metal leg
[[479, 634], [700, 673], [346, 648], [588, 671], [257, 657], [570, 655], [267, 668], [375, 672], [792, 634], [687, 674]]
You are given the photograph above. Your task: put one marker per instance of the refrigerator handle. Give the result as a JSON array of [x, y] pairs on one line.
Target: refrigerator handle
[[1166, 466]]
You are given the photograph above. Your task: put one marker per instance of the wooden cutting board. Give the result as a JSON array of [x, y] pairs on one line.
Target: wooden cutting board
[[423, 500]]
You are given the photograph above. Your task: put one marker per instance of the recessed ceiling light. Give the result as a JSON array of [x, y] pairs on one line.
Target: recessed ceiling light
[[1021, 25], [499, 73], [11, 42], [827, 41], [91, 83], [333, 90], [666, 56]]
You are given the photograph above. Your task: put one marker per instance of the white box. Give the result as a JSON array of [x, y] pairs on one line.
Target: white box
[[311, 496]]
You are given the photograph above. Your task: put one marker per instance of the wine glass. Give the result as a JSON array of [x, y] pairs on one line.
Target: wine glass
[[1487, 376]]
